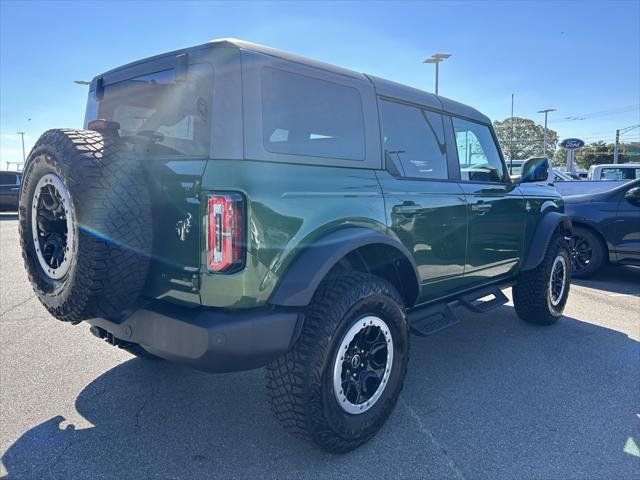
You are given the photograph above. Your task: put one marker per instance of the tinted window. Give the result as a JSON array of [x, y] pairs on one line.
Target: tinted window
[[306, 116], [415, 137], [477, 152], [8, 179], [160, 115]]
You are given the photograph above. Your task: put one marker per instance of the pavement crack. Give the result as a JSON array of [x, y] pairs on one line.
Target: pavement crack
[[18, 305], [423, 428]]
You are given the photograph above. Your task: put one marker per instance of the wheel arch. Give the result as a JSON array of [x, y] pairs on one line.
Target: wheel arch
[[352, 249], [548, 225]]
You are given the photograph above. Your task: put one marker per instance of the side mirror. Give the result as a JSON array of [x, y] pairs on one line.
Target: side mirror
[[633, 195], [536, 170]]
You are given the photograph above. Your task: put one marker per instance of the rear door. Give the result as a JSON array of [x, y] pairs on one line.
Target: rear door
[[425, 210], [164, 109], [495, 207]]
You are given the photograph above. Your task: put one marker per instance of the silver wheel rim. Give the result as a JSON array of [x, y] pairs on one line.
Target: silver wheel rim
[[52, 209], [352, 366], [557, 280]]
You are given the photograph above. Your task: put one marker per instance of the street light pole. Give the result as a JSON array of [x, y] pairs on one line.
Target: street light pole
[[511, 140], [437, 58], [546, 112], [24, 159]]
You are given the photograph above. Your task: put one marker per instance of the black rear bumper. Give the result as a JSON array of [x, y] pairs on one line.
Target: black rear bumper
[[208, 339]]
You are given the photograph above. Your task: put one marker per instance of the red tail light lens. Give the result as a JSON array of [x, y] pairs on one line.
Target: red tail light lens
[[225, 232]]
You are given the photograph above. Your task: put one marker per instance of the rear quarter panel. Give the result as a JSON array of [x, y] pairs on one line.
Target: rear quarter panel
[[289, 206]]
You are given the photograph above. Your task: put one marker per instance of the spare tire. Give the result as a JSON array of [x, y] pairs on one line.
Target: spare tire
[[85, 224]]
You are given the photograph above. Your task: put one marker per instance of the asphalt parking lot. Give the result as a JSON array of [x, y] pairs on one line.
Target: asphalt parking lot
[[491, 397]]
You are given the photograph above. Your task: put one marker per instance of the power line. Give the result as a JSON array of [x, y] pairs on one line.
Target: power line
[[601, 113]]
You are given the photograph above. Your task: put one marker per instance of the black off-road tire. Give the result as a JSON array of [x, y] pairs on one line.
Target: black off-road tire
[[300, 383], [112, 224], [597, 249], [531, 294]]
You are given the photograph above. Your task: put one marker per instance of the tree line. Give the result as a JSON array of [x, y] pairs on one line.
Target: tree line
[[521, 138]]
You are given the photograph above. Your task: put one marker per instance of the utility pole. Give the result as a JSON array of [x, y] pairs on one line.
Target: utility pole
[[24, 159], [437, 58], [546, 112], [621, 131], [511, 141]]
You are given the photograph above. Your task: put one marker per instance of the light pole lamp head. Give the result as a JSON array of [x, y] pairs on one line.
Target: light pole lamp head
[[547, 110], [437, 58]]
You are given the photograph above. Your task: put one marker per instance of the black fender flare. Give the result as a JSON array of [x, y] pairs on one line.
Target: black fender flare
[[297, 286], [540, 241]]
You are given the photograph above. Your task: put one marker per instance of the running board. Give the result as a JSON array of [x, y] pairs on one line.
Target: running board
[[472, 301], [433, 318], [429, 320]]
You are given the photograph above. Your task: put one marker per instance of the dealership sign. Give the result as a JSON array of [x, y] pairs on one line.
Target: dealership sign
[[571, 143]]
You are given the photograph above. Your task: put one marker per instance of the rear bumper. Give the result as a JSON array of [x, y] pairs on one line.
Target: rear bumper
[[208, 339]]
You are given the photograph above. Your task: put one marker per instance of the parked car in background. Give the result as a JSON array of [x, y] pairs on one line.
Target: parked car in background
[[584, 187], [614, 172], [9, 190], [606, 228]]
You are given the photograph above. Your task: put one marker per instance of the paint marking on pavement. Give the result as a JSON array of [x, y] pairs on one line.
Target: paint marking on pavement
[[631, 448], [435, 443]]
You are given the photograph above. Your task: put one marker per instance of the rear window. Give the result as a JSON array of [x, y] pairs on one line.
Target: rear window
[[162, 116], [307, 116], [624, 173]]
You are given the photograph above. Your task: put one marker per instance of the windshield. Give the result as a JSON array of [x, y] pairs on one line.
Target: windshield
[[161, 115]]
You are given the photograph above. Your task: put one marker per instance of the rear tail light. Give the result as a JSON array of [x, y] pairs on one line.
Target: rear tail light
[[225, 232]]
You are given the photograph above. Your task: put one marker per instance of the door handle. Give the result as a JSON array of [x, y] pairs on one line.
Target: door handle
[[481, 207], [406, 209]]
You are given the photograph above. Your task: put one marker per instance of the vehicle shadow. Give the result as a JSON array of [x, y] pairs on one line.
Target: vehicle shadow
[[621, 279], [491, 397]]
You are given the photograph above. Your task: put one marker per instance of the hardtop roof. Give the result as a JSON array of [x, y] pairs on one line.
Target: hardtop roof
[[383, 87]]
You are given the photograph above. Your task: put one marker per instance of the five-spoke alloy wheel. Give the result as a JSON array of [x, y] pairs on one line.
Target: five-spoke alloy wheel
[[587, 252]]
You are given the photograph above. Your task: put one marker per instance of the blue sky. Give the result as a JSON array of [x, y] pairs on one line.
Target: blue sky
[[582, 58]]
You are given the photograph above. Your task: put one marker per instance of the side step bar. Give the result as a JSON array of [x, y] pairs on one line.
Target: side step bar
[[430, 319]]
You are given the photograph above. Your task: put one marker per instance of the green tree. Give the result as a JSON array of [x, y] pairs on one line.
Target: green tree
[[528, 138], [560, 158], [599, 152]]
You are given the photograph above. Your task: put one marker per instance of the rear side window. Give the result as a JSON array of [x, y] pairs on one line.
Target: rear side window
[[477, 152], [307, 116], [415, 137], [160, 115]]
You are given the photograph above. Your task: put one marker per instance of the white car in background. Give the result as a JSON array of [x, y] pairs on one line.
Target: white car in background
[[620, 172]]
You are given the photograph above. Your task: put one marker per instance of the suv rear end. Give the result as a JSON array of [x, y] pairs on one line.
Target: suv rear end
[[229, 206]]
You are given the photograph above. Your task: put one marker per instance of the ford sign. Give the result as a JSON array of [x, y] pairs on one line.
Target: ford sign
[[570, 143]]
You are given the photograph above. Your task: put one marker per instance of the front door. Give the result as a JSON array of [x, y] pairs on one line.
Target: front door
[[425, 210], [627, 228], [496, 209]]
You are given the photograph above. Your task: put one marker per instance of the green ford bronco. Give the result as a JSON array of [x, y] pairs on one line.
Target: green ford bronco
[[231, 206]]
